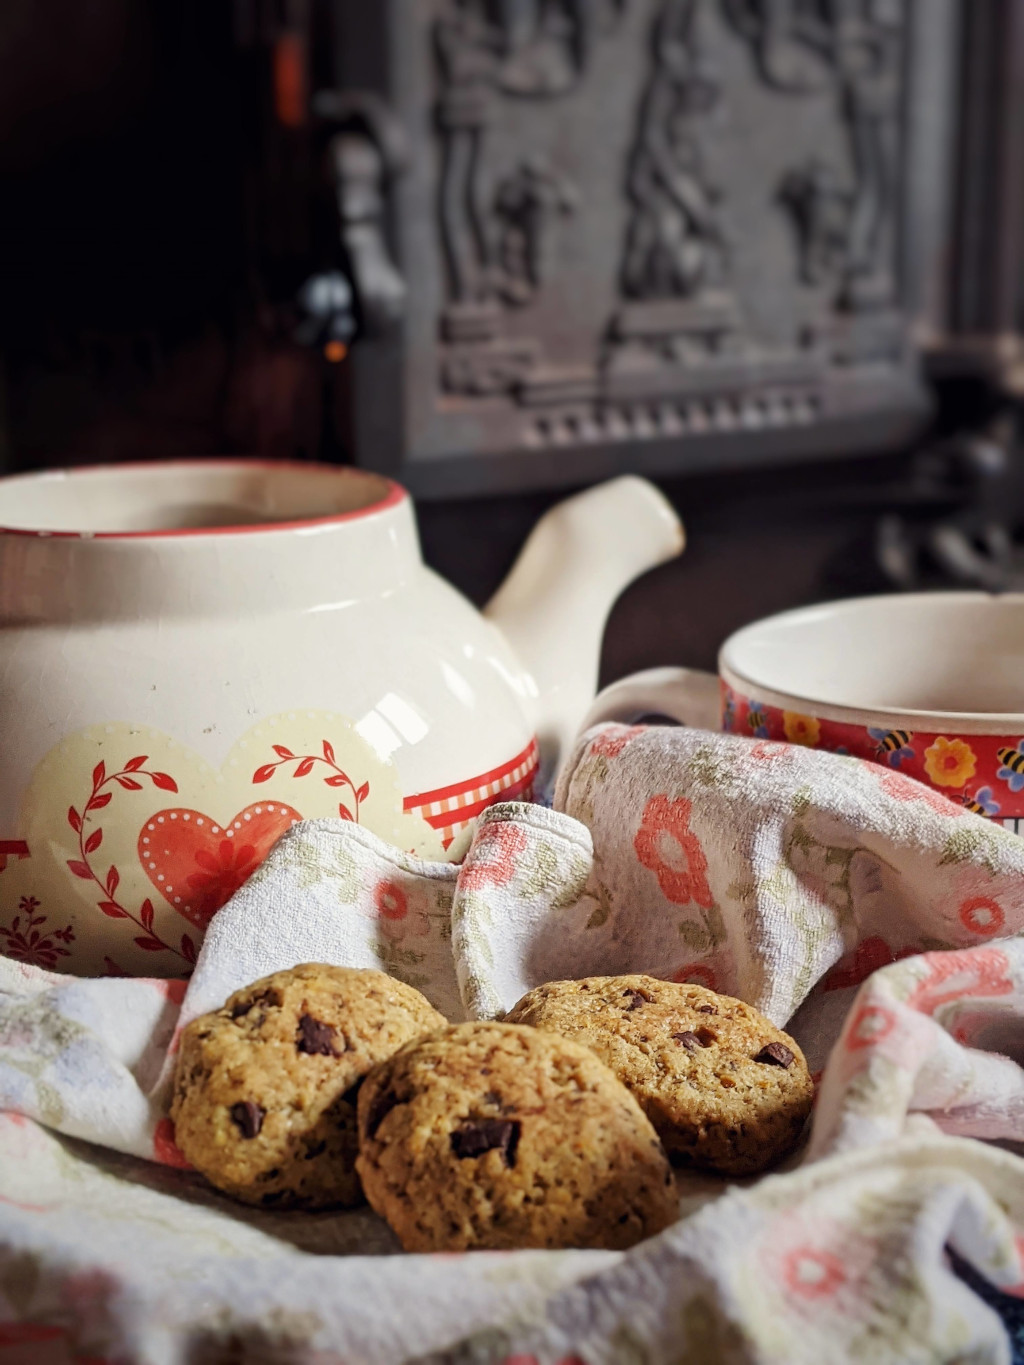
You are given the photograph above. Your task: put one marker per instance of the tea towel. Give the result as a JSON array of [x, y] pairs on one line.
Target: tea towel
[[878, 914]]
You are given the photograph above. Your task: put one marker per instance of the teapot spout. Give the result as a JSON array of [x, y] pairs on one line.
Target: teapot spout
[[553, 606]]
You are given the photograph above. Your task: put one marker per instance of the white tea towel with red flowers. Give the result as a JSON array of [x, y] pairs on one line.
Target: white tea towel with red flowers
[[877, 913]]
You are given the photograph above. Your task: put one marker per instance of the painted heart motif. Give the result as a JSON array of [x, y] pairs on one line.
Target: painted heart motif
[[197, 864]]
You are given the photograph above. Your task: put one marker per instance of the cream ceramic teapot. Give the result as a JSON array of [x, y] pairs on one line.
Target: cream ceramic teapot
[[193, 656]]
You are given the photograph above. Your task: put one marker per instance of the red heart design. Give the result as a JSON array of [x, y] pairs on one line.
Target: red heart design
[[197, 864]]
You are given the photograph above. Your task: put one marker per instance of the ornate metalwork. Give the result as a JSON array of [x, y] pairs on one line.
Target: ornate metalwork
[[640, 232]]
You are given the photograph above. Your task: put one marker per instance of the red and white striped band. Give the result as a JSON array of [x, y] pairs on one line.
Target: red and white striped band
[[451, 809]]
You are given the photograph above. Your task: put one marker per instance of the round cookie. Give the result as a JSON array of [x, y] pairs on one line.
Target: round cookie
[[496, 1136], [726, 1090], [265, 1089]]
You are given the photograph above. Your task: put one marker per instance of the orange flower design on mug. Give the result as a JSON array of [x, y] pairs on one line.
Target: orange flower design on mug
[[950, 762], [800, 729]]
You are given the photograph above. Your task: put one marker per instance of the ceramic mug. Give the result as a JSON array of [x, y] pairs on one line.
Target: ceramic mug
[[929, 684]]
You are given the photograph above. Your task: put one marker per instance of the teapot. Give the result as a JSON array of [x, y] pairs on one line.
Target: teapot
[[195, 655]]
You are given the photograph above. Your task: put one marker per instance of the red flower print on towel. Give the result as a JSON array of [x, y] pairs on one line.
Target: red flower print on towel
[[401, 912], [611, 741], [813, 1273], [869, 1026], [982, 915], [819, 1264], [492, 859], [391, 901], [696, 974], [903, 788], [766, 751], [956, 976], [665, 844], [855, 969]]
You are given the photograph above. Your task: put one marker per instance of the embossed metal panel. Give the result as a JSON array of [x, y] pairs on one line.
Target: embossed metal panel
[[654, 234]]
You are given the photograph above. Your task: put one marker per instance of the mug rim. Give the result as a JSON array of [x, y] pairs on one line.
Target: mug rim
[[392, 495], [996, 723]]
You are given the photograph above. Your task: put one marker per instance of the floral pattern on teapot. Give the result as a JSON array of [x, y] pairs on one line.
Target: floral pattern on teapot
[[134, 894]]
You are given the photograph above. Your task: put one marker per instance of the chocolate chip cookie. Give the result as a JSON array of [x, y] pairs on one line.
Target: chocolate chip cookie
[[265, 1089], [498, 1136], [726, 1090]]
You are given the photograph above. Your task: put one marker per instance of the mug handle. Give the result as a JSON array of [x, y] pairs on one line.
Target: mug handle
[[684, 695]]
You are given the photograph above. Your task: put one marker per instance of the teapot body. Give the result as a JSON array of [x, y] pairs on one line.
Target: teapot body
[[248, 646]]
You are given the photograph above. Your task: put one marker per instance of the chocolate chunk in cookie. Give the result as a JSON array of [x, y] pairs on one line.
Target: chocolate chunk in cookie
[[316, 1039], [248, 1116], [476, 1136]]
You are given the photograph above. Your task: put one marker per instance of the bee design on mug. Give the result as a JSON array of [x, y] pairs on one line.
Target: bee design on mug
[[729, 712], [1012, 771], [757, 720], [981, 803], [893, 745]]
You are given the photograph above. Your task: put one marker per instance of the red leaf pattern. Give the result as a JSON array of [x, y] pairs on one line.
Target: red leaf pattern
[[129, 784], [265, 773], [304, 768], [282, 752], [75, 820], [164, 781], [80, 870], [134, 764], [94, 840], [99, 774], [329, 752]]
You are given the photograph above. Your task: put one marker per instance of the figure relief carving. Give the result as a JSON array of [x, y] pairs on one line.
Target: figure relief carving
[[846, 232], [498, 252], [675, 268], [819, 203], [528, 203], [676, 244]]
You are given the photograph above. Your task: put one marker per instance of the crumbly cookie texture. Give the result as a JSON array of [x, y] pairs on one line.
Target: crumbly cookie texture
[[265, 1089], [498, 1136], [726, 1090]]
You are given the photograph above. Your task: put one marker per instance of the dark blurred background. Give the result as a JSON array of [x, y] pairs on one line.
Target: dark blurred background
[[184, 184]]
